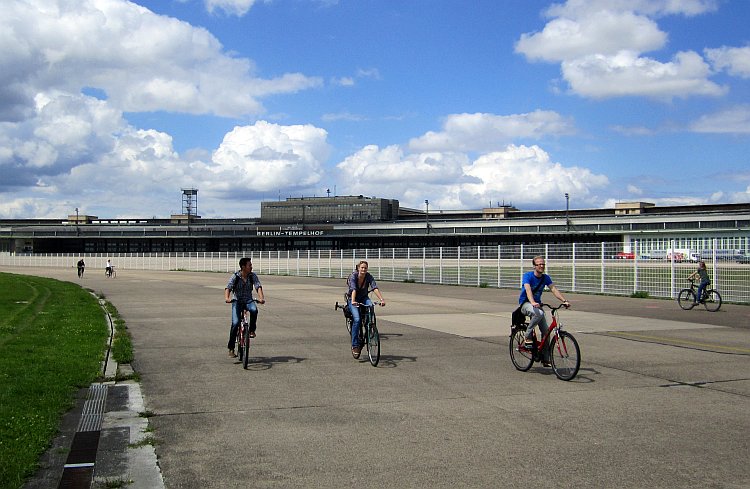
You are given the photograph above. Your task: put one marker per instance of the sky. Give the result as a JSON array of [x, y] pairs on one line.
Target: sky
[[112, 107]]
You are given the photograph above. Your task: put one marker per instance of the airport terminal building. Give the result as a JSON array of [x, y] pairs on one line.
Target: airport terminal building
[[359, 222]]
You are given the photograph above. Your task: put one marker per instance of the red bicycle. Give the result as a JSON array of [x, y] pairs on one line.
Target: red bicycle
[[559, 345], [243, 338]]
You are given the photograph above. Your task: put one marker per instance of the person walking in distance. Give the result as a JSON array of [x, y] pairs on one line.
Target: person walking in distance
[[81, 267], [530, 300], [241, 285]]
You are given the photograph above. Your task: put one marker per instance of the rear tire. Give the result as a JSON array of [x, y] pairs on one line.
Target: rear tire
[[686, 299], [713, 301], [565, 356], [522, 359]]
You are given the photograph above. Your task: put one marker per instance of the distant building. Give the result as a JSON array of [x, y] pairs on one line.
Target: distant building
[[358, 222], [303, 210]]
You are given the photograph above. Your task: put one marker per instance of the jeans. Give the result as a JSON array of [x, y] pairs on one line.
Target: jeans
[[537, 318], [701, 288], [238, 308], [356, 320]]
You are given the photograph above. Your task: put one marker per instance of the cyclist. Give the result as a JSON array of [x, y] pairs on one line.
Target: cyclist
[[702, 273], [81, 267], [241, 284], [360, 282], [532, 286], [108, 269]]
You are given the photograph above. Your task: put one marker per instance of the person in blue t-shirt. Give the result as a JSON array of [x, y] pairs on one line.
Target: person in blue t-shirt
[[532, 286]]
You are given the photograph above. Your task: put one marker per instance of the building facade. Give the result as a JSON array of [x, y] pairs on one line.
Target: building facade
[[338, 223]]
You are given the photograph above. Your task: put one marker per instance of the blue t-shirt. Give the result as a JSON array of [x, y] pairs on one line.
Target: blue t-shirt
[[536, 289]]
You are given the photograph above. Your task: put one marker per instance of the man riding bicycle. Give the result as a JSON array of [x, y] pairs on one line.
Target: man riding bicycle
[[533, 283], [360, 282], [241, 284]]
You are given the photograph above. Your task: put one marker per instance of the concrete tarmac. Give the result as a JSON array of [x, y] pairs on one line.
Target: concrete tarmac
[[661, 399]]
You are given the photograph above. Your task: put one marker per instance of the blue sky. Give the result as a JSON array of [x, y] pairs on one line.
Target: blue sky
[[112, 106]]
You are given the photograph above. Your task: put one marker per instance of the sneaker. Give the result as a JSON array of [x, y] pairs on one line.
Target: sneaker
[[356, 350], [528, 344], [252, 334], [232, 354], [547, 363]]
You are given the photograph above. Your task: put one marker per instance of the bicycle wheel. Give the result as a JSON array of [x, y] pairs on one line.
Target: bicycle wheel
[[565, 356], [522, 359], [240, 341], [373, 343], [713, 301], [686, 299], [246, 358]]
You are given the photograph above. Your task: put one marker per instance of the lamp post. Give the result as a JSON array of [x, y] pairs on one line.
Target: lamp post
[[78, 231], [427, 215], [567, 209]]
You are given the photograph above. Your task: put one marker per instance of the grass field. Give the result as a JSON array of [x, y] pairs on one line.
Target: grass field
[[52, 341]]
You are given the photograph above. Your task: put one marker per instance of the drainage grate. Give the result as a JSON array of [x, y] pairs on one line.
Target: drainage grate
[[79, 468], [93, 409]]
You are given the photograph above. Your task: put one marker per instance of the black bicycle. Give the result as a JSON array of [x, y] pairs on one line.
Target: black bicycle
[[558, 345], [368, 329], [711, 299]]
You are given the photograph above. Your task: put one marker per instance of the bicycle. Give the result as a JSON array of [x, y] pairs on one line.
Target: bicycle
[[711, 299], [368, 329], [243, 338], [561, 346]]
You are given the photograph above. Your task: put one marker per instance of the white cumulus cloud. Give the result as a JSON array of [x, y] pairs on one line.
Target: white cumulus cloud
[[486, 132]]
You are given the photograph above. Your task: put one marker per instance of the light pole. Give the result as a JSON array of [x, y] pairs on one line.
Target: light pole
[[567, 209], [427, 215], [78, 231]]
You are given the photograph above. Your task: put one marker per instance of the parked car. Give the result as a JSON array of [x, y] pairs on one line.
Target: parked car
[[743, 259], [625, 255]]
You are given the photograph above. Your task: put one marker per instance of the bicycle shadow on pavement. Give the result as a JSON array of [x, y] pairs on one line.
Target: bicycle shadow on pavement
[[266, 363], [580, 378], [390, 361]]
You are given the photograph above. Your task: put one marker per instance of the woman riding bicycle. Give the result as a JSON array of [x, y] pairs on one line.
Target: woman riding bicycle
[[702, 273], [360, 282]]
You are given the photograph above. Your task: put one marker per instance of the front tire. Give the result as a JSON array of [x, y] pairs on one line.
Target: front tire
[[246, 359], [565, 355], [713, 301], [373, 344], [522, 359], [686, 299]]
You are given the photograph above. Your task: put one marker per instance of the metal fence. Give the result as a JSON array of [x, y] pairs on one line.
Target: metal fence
[[597, 268]]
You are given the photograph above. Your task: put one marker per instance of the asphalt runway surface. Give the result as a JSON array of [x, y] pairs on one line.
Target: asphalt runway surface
[[661, 400]]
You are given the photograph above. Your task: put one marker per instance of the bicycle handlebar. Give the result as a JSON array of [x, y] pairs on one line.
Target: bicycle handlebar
[[251, 300], [553, 309]]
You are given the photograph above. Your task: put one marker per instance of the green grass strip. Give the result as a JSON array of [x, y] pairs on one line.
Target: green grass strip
[[52, 340]]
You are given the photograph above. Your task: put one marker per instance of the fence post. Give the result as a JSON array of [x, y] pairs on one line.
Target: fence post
[[424, 265], [498, 266], [601, 266], [672, 278], [440, 278], [573, 273], [635, 266], [458, 278], [479, 266]]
